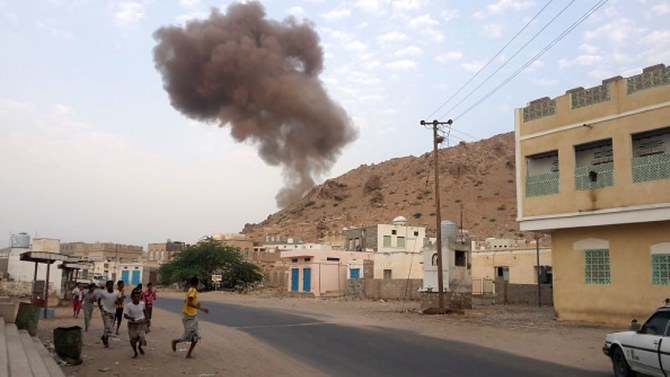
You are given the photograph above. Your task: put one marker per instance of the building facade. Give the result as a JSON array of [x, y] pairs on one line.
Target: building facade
[[102, 250], [593, 168], [163, 252], [321, 271]]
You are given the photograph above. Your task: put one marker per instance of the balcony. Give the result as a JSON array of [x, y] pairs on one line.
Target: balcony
[[542, 184]]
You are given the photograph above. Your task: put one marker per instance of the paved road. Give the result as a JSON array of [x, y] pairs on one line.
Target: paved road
[[372, 351]]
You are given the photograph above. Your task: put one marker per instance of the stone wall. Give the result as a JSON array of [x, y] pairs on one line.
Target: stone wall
[[393, 289], [523, 293], [452, 300]]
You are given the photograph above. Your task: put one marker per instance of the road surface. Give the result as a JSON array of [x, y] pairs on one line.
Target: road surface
[[372, 351]]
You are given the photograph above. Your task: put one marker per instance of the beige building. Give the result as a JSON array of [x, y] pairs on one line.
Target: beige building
[[593, 168], [102, 250], [163, 252], [515, 265]]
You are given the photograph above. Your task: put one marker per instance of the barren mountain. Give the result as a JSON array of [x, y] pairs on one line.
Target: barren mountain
[[476, 179]]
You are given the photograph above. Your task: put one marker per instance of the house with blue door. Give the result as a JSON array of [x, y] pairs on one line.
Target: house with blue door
[[320, 270], [132, 273]]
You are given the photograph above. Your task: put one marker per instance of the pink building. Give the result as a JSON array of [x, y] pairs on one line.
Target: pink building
[[319, 271]]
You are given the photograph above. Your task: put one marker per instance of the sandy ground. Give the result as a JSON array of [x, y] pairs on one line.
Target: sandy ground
[[526, 331]]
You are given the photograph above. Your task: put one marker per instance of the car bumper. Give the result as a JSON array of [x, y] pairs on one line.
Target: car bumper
[[606, 350]]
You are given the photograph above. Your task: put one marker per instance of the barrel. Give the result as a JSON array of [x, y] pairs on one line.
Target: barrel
[[27, 317], [67, 341]]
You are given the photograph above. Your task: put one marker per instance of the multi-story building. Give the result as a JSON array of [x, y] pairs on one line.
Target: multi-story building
[[163, 252], [397, 248], [593, 168], [102, 250]]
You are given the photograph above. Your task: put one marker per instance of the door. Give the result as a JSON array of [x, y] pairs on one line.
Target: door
[[306, 279], [124, 276], [136, 277], [295, 276], [644, 345], [355, 273]]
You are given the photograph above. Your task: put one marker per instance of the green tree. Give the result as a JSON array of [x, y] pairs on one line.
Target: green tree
[[206, 258]]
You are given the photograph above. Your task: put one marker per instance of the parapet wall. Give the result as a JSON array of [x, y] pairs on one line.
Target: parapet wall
[[579, 98]]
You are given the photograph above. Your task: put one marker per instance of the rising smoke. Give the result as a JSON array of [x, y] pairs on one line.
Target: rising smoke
[[260, 77]]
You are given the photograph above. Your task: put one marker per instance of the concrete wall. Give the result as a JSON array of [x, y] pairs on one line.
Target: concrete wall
[[394, 289], [630, 292], [507, 293], [23, 271]]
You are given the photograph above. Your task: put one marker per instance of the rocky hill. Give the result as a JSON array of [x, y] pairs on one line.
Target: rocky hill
[[476, 179]]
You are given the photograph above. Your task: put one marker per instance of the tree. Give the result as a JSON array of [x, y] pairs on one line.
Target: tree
[[206, 258]]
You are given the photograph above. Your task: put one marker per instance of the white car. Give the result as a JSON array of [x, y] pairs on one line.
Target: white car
[[644, 349]]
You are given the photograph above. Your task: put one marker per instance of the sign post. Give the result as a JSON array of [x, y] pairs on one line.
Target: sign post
[[216, 279]]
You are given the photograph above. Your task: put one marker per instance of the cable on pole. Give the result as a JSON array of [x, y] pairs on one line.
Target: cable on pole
[[537, 56], [490, 60]]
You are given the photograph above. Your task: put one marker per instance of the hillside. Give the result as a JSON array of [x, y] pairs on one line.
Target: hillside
[[477, 178]]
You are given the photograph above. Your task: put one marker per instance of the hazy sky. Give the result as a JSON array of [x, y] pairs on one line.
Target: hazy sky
[[91, 149]]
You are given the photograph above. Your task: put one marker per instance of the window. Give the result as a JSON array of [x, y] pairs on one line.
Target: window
[[657, 324], [387, 274], [355, 273], [651, 158], [660, 269], [294, 260], [542, 174], [387, 241], [597, 266], [401, 241], [594, 165], [308, 259], [394, 232], [416, 233], [333, 259], [503, 272], [459, 258]]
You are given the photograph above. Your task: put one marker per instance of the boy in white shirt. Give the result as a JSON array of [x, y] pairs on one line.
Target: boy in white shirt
[[107, 300], [135, 314]]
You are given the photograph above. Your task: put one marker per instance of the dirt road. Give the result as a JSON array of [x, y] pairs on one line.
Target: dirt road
[[522, 330]]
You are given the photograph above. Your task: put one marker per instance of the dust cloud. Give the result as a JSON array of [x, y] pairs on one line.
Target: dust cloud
[[260, 77]]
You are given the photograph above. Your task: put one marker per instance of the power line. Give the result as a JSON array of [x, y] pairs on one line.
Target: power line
[[511, 57], [538, 55], [490, 61]]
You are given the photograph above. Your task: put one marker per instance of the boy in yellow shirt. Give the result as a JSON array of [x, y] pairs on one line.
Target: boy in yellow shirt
[[190, 318]]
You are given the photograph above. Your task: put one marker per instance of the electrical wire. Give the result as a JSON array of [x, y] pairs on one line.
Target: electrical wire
[[490, 60], [537, 34], [537, 56]]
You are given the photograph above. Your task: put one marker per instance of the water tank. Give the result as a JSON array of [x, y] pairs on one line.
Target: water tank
[[20, 240], [400, 221], [449, 230]]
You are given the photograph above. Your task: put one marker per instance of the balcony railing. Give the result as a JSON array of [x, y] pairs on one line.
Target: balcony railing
[[651, 168], [594, 176], [543, 184]]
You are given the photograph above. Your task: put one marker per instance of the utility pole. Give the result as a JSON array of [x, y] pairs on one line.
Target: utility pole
[[537, 258], [438, 215]]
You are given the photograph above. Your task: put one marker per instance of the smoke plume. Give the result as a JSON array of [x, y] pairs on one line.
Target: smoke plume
[[260, 77]]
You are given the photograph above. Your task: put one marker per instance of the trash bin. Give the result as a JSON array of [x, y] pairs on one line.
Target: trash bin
[[27, 317], [67, 341]]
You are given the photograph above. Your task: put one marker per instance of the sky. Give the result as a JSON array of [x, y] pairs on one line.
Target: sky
[[92, 150]]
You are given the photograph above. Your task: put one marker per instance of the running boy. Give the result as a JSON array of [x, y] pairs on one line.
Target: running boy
[[135, 315]]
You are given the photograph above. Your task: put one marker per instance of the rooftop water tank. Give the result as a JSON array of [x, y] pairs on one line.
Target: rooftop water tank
[[20, 240], [400, 221]]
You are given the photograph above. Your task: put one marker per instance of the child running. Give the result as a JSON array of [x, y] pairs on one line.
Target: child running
[[107, 301], [149, 296], [190, 318], [90, 298], [134, 313]]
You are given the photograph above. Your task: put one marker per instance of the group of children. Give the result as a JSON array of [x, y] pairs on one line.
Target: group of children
[[113, 309]]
